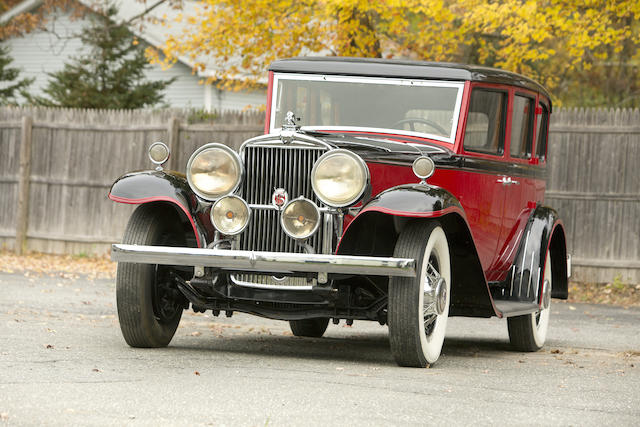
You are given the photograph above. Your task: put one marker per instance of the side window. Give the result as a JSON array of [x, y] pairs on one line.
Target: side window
[[522, 127], [542, 132], [485, 123]]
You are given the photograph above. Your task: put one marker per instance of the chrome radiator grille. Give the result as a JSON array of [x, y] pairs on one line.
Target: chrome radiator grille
[[267, 168]]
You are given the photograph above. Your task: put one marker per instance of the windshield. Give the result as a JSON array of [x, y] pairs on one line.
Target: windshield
[[408, 107]]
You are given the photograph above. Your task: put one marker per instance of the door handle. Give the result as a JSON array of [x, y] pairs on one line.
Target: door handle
[[506, 180]]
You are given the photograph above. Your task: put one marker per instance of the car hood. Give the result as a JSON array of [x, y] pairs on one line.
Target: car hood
[[386, 150]]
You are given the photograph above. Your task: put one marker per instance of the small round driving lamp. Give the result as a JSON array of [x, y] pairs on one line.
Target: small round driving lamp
[[158, 153], [339, 178], [300, 218], [423, 167], [214, 170], [230, 215]]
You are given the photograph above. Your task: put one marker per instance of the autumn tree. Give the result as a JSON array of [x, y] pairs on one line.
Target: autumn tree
[[585, 52], [109, 75]]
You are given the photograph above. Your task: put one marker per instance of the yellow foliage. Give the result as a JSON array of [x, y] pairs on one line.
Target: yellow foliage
[[547, 40]]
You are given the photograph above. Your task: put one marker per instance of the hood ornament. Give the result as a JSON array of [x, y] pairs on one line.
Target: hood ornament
[[289, 127]]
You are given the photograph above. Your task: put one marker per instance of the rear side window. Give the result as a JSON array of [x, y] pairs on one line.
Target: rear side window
[[542, 131], [484, 132], [522, 127]]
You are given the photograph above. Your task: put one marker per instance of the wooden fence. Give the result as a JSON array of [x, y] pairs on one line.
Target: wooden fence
[[594, 183], [56, 167]]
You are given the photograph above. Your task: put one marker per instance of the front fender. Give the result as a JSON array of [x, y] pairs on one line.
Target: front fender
[[375, 230], [161, 186], [416, 201], [524, 284]]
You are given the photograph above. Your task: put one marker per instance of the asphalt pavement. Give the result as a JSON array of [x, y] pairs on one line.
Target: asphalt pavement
[[64, 362]]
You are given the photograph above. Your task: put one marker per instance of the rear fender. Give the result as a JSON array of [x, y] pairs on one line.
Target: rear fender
[[524, 283], [375, 230], [159, 186]]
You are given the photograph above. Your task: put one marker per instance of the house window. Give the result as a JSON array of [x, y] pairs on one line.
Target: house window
[[522, 127], [484, 132]]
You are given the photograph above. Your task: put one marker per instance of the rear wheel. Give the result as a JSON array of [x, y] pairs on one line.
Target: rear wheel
[[529, 332], [309, 327], [419, 306], [149, 304]]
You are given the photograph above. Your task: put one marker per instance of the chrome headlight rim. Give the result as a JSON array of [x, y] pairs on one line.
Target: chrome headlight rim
[[315, 228], [234, 156], [360, 163], [221, 199]]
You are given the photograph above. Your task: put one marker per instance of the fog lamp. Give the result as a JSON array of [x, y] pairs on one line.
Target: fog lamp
[[230, 215], [300, 218]]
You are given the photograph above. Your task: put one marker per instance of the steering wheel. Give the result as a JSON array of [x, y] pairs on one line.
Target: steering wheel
[[412, 120]]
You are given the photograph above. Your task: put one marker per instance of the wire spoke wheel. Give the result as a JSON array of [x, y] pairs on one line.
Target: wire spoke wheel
[[419, 306], [529, 332]]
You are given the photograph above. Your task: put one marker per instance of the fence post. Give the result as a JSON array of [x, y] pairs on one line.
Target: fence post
[[173, 141], [22, 220]]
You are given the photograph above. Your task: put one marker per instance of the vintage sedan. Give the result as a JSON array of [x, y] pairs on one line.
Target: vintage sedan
[[392, 191]]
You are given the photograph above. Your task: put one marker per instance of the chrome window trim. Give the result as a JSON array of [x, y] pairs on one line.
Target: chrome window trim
[[378, 80]]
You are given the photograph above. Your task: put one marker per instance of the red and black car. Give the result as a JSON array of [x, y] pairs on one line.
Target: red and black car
[[398, 192]]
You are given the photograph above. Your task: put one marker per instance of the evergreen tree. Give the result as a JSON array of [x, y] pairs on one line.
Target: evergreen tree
[[9, 86], [109, 75]]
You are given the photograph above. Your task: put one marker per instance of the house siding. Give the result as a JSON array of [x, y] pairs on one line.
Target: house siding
[[42, 52]]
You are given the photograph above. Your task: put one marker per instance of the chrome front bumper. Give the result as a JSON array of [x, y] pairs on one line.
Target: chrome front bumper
[[266, 262]]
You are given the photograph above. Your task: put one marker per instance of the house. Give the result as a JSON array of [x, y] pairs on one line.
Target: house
[[43, 51]]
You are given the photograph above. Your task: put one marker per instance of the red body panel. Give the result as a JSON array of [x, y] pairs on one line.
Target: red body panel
[[496, 213]]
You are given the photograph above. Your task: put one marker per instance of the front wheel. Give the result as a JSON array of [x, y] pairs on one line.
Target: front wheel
[[149, 304], [529, 332], [419, 306]]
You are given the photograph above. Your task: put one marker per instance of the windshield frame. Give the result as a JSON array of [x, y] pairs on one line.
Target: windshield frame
[[375, 80]]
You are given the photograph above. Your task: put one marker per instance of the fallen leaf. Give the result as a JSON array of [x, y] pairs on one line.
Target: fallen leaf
[[96, 370], [197, 373], [556, 351], [49, 346]]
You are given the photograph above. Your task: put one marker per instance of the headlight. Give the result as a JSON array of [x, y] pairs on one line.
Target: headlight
[[213, 171], [300, 218], [230, 215], [339, 178]]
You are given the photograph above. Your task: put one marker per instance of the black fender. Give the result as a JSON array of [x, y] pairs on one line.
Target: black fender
[[521, 291], [375, 230], [164, 187]]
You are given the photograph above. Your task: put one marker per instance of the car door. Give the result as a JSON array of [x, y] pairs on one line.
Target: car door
[[480, 193], [519, 181]]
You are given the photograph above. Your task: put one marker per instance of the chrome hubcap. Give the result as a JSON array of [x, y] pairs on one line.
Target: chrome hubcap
[[435, 296]]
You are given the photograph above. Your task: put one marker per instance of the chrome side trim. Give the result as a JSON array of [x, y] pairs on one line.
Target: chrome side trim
[[276, 262]]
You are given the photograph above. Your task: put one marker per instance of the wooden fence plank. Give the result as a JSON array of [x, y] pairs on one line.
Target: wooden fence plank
[[23, 185]]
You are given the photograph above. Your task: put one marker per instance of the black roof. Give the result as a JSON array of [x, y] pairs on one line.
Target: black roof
[[375, 67]]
